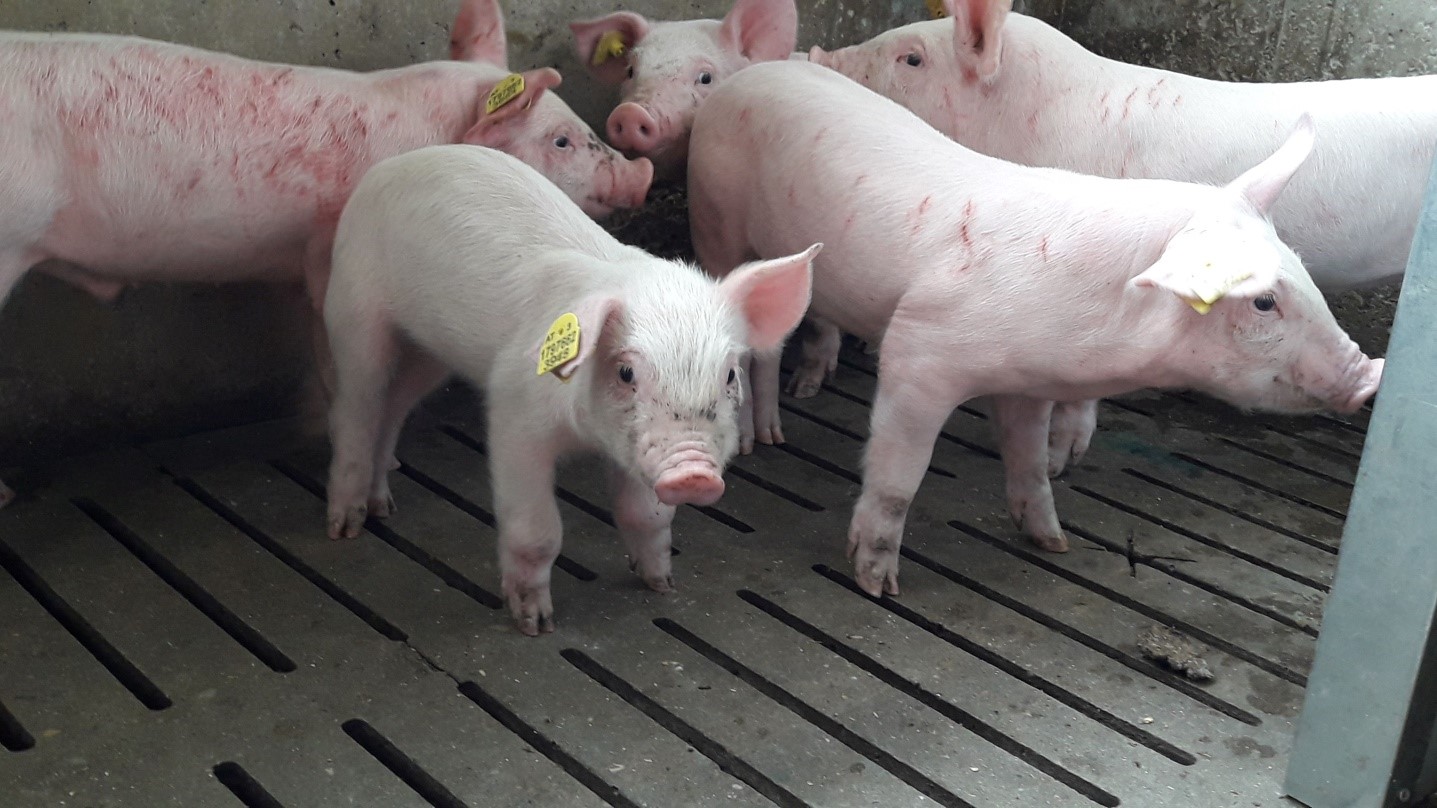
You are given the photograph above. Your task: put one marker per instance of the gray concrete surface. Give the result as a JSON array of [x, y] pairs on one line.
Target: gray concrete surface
[[75, 374]]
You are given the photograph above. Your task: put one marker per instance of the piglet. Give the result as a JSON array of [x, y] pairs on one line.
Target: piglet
[[464, 260], [1014, 87], [986, 278], [668, 68], [134, 160]]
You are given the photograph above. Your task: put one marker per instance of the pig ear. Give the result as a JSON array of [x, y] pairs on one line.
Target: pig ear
[[1197, 269], [491, 129], [978, 34], [598, 315], [478, 34], [773, 295], [595, 41], [1262, 184], [762, 30]]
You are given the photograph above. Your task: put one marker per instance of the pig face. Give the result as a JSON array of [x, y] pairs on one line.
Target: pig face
[[659, 368], [909, 64], [943, 70], [1250, 324], [667, 69], [540, 129]]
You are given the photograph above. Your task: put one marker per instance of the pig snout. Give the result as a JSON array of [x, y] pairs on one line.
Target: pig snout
[[631, 182], [1367, 377], [689, 476], [633, 129]]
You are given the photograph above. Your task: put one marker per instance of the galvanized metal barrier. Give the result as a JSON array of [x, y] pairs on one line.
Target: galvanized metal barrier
[[1366, 738]]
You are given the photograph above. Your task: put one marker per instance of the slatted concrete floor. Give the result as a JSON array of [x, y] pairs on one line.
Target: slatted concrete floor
[[176, 629]]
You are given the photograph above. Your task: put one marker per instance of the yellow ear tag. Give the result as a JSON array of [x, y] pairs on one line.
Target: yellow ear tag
[[505, 91], [560, 345], [1211, 289], [935, 7], [611, 46]]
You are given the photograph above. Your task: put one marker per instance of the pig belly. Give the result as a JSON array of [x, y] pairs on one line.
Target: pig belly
[[139, 235]]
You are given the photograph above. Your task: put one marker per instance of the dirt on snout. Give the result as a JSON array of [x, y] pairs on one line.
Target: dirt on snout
[[1174, 651]]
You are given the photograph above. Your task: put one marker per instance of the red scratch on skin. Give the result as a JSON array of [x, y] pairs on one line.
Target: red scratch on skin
[[1155, 92], [862, 178], [817, 139], [1128, 104], [743, 115], [792, 195], [918, 215], [1177, 101], [947, 98], [1033, 122], [848, 223], [963, 233], [1043, 248]]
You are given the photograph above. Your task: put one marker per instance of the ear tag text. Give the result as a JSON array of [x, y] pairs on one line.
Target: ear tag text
[[611, 46], [560, 346], [508, 88]]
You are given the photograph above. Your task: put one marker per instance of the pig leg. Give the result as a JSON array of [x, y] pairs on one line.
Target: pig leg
[[745, 407], [1069, 433], [419, 374], [644, 524], [1023, 440], [364, 360], [908, 413], [819, 358], [767, 426], [521, 464]]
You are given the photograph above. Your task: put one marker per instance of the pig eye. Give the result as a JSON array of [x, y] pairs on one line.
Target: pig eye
[[1264, 302], [561, 142], [732, 375], [631, 71], [706, 78], [626, 374], [914, 60]]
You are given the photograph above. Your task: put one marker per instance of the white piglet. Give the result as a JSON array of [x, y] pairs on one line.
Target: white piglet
[[1014, 87], [464, 260], [985, 278], [666, 69]]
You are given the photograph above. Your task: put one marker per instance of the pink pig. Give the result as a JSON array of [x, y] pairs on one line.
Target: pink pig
[[135, 160], [985, 278], [1013, 87], [450, 259], [668, 68]]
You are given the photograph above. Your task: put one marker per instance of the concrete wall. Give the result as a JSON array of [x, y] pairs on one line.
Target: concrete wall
[[76, 374], [161, 361]]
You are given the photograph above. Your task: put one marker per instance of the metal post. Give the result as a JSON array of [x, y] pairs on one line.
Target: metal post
[[1366, 736]]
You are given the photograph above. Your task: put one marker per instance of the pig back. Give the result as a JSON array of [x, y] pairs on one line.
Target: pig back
[[465, 248], [174, 163]]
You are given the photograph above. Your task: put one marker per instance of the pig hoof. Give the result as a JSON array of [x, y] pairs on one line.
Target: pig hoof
[[348, 524], [771, 436], [393, 463], [382, 507], [534, 624], [662, 585], [875, 571], [1052, 544], [804, 388]]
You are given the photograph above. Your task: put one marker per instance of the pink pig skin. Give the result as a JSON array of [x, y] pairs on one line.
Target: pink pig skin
[[985, 278], [1012, 86], [135, 160], [668, 68], [454, 259]]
